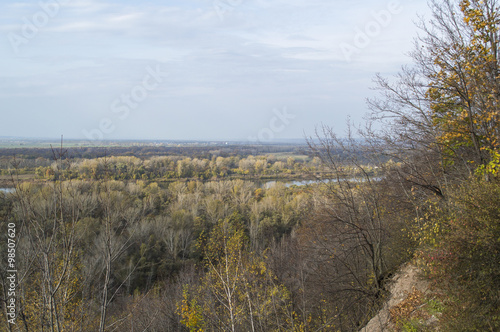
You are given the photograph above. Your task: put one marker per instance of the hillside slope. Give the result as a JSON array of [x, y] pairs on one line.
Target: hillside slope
[[406, 301]]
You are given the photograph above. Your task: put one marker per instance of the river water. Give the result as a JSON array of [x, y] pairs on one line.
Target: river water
[[270, 184]]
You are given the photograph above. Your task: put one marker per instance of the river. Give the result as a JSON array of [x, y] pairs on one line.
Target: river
[[269, 184]]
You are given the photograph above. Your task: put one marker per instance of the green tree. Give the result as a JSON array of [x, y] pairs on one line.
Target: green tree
[[461, 251]]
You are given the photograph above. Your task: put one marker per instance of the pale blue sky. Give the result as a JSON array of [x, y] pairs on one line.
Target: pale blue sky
[[194, 69]]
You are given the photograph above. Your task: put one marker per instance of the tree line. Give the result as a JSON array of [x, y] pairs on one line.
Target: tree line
[[168, 168]]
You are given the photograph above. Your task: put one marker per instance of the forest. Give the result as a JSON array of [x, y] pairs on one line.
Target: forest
[[188, 238]]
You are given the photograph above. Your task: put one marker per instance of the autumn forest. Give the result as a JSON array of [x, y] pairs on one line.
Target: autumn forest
[[276, 237]]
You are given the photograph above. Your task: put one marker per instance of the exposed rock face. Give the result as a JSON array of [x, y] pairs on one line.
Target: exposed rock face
[[405, 282]]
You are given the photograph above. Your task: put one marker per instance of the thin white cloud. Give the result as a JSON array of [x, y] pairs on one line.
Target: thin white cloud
[[265, 53]]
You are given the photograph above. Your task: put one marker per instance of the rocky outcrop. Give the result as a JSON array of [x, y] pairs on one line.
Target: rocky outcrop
[[406, 282]]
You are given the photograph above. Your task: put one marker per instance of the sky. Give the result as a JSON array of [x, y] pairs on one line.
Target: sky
[[256, 70]]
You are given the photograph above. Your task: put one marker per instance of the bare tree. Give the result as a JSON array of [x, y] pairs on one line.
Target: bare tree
[[440, 115]]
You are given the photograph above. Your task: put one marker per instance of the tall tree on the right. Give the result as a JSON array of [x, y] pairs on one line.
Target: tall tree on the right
[[447, 103]]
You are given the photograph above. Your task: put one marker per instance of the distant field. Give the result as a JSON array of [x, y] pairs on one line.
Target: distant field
[[6, 180], [286, 155], [20, 177], [13, 143], [46, 144]]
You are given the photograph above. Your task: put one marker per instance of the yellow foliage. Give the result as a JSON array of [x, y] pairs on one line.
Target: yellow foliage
[[464, 89]]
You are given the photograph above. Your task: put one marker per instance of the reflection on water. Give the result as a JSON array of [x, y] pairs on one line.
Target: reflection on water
[[7, 190], [269, 184]]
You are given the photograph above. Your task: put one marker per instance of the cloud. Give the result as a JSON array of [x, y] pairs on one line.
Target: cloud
[[261, 55]]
